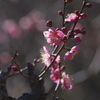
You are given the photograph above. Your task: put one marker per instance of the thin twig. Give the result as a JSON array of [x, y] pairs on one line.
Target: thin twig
[[22, 73], [55, 91], [22, 70], [12, 61], [63, 13]]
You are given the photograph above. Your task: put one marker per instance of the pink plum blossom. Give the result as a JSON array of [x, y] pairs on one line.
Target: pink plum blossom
[[55, 75], [55, 64], [70, 54], [47, 59], [66, 82], [71, 17], [53, 36]]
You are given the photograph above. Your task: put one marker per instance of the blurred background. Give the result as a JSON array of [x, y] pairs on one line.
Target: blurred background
[[22, 23]]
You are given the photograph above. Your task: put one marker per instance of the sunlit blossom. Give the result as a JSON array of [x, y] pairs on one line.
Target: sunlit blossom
[[71, 17], [55, 75], [70, 54], [66, 82], [53, 36], [47, 59]]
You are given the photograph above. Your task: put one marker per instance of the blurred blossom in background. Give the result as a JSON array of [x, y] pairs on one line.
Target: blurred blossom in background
[[22, 23]]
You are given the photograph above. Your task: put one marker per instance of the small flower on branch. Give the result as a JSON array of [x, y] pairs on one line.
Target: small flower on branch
[[66, 82], [47, 59], [74, 16], [55, 75], [53, 36], [70, 54], [71, 18]]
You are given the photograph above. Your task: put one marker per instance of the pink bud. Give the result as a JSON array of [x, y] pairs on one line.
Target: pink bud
[[64, 30], [14, 68], [49, 23], [63, 67], [88, 5], [60, 12], [64, 37], [83, 16], [78, 37], [76, 12]]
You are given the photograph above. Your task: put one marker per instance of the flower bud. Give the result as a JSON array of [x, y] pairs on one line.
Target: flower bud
[[49, 23], [63, 67], [78, 37], [64, 37], [88, 5], [60, 12], [83, 16], [76, 12], [64, 30], [14, 68]]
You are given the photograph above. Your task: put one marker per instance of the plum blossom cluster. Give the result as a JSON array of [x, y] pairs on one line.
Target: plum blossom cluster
[[58, 38], [55, 70]]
